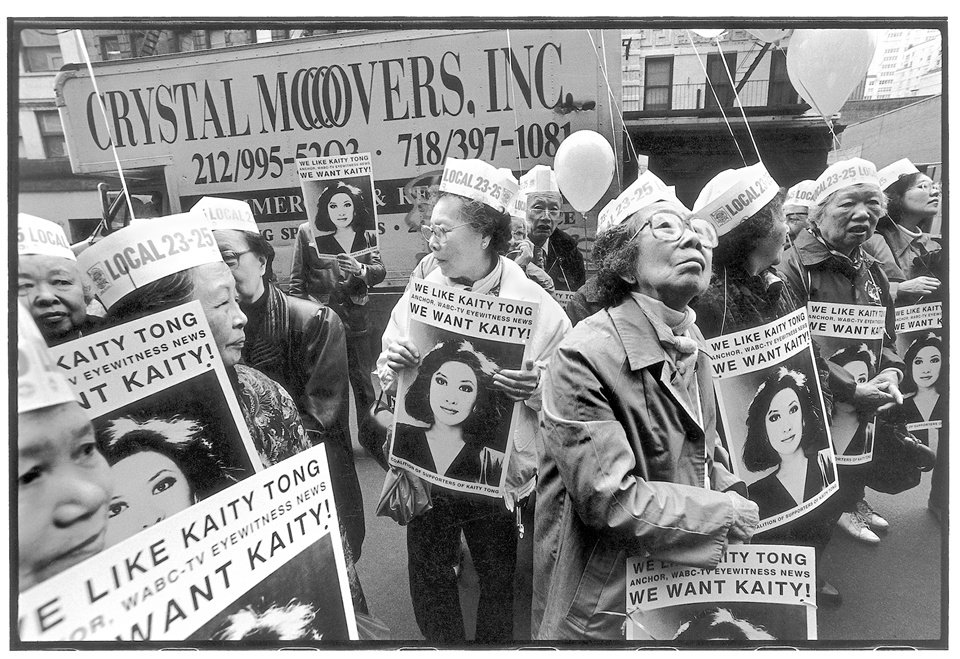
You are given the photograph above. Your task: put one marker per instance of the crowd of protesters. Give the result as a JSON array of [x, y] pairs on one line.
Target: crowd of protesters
[[617, 449]]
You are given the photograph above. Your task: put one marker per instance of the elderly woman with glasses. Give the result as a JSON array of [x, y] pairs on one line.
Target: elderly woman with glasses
[[468, 232], [629, 426]]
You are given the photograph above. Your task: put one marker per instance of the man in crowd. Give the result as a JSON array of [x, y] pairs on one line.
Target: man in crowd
[[554, 251]]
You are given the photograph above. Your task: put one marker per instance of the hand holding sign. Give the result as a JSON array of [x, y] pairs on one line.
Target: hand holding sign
[[518, 385], [878, 395], [919, 286], [348, 264], [402, 354], [747, 516]]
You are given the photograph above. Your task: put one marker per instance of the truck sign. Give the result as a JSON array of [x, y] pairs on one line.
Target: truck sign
[[233, 122]]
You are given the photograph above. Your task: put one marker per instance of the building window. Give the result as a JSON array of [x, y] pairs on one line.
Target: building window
[[718, 79], [51, 132], [41, 51], [110, 48], [42, 58], [781, 91], [657, 83]]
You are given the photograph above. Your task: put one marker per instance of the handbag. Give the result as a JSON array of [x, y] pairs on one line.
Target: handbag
[[403, 496], [898, 458]]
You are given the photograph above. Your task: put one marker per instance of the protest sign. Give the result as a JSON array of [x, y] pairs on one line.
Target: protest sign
[[756, 592], [919, 342], [850, 336], [779, 441], [339, 198], [563, 297], [163, 409], [263, 558], [451, 426]]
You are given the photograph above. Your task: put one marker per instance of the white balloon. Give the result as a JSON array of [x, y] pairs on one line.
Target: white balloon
[[584, 165], [825, 66]]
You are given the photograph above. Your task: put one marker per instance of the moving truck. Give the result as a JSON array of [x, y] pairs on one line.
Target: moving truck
[[232, 122]]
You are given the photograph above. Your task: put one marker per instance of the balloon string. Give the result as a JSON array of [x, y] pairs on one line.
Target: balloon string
[[613, 100], [604, 69], [103, 111], [736, 95], [719, 104], [813, 103], [513, 104]]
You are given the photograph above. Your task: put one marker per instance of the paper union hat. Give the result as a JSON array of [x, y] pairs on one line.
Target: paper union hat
[[843, 174], [147, 251], [892, 172], [479, 181], [540, 178], [734, 195], [801, 194], [38, 236], [224, 213], [517, 207], [646, 190], [39, 382]]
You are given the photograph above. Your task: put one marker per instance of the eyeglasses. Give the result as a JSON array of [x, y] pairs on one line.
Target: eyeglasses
[[232, 259], [929, 186], [537, 213], [670, 228], [440, 233]]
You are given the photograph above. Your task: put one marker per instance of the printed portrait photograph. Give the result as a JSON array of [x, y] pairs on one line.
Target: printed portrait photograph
[[850, 429], [777, 433], [450, 420], [342, 213], [300, 602], [169, 451], [739, 622]]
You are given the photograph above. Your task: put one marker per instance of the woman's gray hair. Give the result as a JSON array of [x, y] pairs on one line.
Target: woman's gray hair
[[486, 221]]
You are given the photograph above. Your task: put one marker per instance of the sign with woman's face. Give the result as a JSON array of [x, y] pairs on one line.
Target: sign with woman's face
[[453, 425], [340, 210], [148, 488], [453, 392], [778, 442], [925, 367], [784, 422], [340, 200]]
